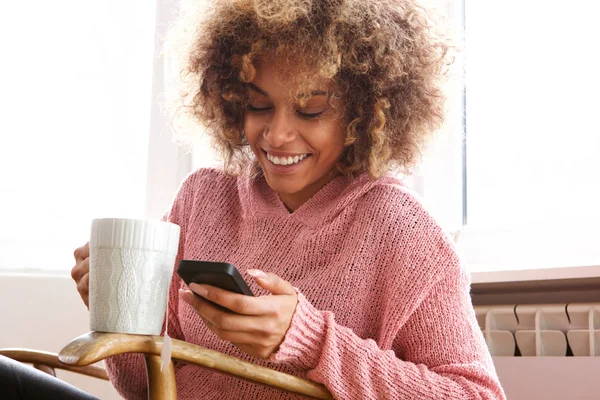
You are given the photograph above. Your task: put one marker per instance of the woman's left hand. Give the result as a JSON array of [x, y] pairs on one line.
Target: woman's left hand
[[256, 325]]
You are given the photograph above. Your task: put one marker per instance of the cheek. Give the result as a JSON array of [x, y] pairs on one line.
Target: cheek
[[330, 142], [252, 129]]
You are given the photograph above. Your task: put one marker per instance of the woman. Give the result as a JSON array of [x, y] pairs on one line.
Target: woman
[[358, 288]]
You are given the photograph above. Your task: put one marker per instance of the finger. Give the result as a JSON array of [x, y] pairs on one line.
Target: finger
[[80, 269], [223, 320], [196, 302], [238, 303], [271, 282], [189, 297], [83, 287], [81, 253]]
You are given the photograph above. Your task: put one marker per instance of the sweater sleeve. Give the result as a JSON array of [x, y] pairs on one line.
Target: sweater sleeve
[[438, 353], [127, 372]]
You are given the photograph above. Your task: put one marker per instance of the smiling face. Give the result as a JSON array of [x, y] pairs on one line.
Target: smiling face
[[297, 144]]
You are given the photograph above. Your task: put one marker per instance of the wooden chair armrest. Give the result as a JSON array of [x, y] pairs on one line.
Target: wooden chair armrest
[[48, 362], [95, 346]]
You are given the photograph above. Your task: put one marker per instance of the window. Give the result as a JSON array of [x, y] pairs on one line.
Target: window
[[532, 137], [76, 81]]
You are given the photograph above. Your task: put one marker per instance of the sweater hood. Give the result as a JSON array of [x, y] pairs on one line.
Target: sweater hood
[[258, 200]]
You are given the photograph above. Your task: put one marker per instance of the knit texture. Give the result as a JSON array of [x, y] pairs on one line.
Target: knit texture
[[383, 310]]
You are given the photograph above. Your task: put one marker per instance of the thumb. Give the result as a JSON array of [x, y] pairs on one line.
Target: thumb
[[271, 282]]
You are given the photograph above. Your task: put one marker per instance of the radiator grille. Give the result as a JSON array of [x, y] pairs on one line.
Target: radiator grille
[[541, 330]]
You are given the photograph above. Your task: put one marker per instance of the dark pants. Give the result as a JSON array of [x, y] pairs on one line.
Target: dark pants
[[20, 381]]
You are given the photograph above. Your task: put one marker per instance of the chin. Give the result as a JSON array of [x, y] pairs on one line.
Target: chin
[[286, 185]]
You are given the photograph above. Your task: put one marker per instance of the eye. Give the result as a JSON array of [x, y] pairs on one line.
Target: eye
[[309, 115], [251, 108]]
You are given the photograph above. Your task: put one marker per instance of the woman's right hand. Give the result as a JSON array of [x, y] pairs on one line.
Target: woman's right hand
[[81, 272]]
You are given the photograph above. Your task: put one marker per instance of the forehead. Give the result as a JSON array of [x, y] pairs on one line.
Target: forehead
[[278, 77]]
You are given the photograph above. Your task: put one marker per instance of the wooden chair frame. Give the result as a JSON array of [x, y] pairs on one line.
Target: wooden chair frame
[[92, 347]]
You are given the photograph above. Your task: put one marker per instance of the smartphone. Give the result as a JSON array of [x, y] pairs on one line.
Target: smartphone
[[219, 274]]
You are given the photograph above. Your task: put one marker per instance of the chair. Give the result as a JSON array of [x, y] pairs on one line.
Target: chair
[[92, 347]]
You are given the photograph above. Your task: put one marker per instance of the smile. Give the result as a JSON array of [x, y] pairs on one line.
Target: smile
[[286, 160]]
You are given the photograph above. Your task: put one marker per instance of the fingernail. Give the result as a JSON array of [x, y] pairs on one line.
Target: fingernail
[[186, 296], [200, 290], [257, 273]]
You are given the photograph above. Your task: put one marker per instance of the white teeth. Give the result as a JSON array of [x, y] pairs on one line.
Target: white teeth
[[285, 161]]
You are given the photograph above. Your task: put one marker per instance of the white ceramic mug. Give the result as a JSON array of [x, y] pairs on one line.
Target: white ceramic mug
[[131, 266]]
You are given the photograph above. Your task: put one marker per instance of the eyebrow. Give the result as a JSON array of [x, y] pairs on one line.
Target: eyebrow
[[264, 93], [257, 89]]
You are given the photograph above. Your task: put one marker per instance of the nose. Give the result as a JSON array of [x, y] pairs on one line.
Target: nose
[[280, 129]]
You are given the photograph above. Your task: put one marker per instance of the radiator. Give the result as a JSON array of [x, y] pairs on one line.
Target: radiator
[[541, 330], [544, 351]]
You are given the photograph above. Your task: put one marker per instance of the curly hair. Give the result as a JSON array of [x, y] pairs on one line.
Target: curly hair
[[388, 60]]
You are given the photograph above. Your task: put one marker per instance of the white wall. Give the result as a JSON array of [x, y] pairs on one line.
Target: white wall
[[549, 378], [45, 313]]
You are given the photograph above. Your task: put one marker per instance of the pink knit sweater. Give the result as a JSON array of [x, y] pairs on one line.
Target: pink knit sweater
[[384, 310]]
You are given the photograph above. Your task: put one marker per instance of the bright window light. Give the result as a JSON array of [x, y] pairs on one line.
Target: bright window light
[[76, 84], [532, 134]]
